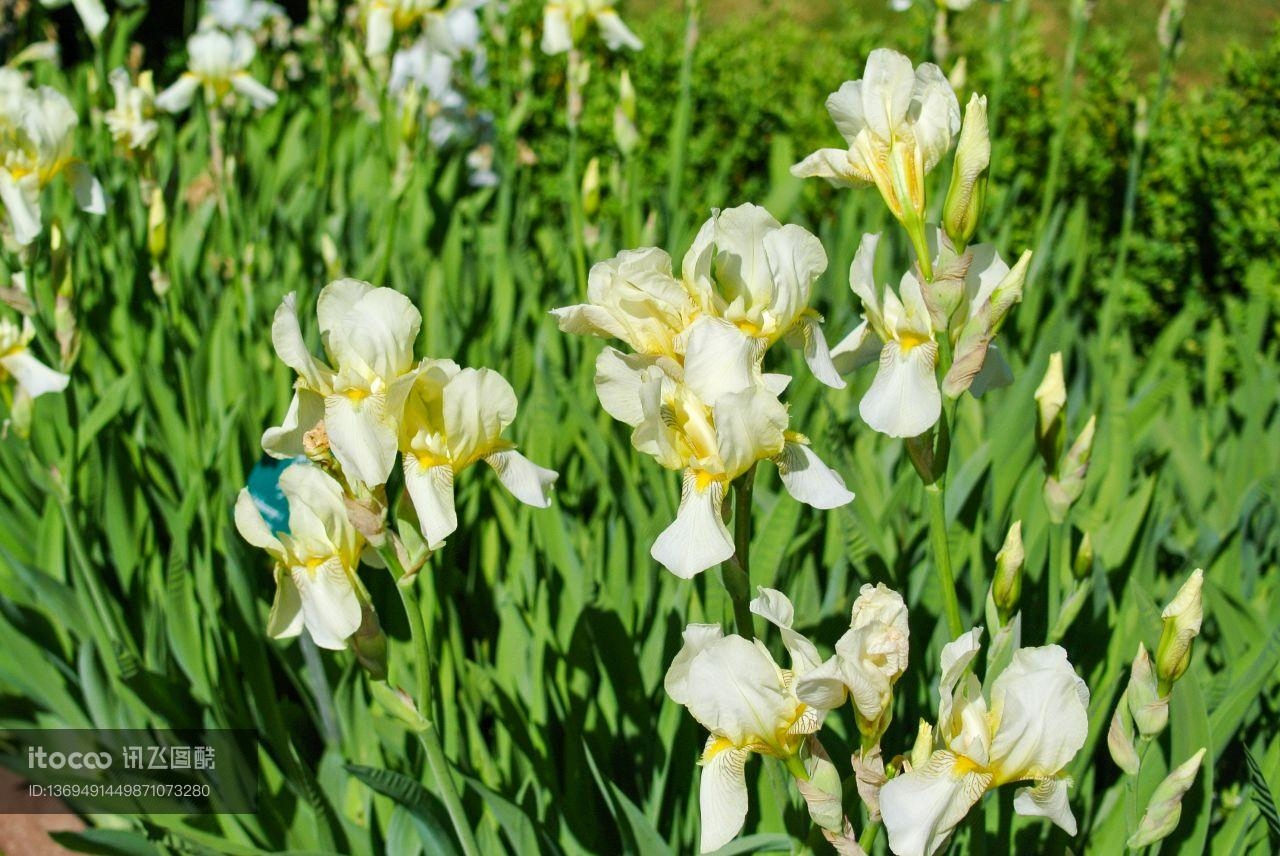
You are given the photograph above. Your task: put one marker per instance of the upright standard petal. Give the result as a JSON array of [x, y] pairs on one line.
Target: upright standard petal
[[1043, 710]]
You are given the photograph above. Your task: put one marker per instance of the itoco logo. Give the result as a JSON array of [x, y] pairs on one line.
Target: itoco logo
[[38, 758]]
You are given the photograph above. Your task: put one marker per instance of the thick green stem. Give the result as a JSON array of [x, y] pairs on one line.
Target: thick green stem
[[1054, 574], [936, 498], [869, 833], [737, 571], [429, 735]]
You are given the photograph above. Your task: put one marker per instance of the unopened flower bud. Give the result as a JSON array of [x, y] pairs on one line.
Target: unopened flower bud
[[399, 704], [157, 225], [591, 188], [1165, 809], [370, 644], [64, 316], [1051, 401], [1006, 588], [1082, 567], [968, 192], [1061, 491], [624, 116], [1182, 619], [1150, 711], [1120, 737]]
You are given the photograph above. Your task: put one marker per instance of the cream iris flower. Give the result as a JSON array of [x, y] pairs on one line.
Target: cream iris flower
[[733, 687], [92, 14], [368, 334], [713, 419], [903, 400], [132, 120], [967, 302], [869, 659], [744, 267], [1034, 723], [33, 377], [759, 274], [448, 27], [564, 22], [218, 64], [37, 140], [315, 560], [634, 297], [898, 122], [239, 14], [453, 418]]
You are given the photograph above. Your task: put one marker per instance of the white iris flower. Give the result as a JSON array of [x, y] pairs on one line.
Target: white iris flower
[[1027, 728]]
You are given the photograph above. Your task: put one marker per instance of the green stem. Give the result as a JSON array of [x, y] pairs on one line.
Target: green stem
[[935, 496], [429, 735], [1054, 576], [1131, 789], [869, 833], [737, 571]]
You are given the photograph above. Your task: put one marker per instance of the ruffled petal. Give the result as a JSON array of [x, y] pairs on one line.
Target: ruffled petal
[[305, 412], [361, 436], [252, 527], [860, 348], [23, 207], [774, 606], [1042, 707], [330, 608], [87, 189], [903, 400], [887, 82], [750, 426], [722, 798], [286, 336], [258, 94], [922, 807], [845, 107], [697, 539], [478, 405], [1047, 799], [528, 482], [619, 378], [179, 96], [431, 489], [809, 480], [831, 164], [816, 354], [33, 376], [615, 33], [557, 37], [285, 619]]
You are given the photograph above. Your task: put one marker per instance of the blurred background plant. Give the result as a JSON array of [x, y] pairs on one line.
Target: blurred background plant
[[127, 599]]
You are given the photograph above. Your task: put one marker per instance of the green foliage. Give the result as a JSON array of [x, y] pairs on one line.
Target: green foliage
[[127, 598]]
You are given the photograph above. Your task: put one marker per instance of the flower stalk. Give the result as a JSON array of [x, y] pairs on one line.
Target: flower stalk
[[427, 733], [737, 571]]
